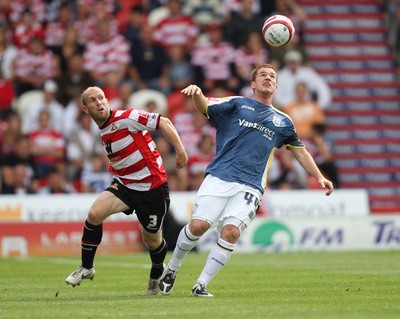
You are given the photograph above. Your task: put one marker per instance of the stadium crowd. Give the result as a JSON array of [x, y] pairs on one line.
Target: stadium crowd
[[141, 53]]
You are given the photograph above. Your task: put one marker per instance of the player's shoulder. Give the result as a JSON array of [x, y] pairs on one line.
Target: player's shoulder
[[220, 100], [129, 113], [282, 116], [120, 115]]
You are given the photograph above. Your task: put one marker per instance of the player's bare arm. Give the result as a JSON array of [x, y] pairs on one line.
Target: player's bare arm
[[199, 100], [306, 160], [169, 131]]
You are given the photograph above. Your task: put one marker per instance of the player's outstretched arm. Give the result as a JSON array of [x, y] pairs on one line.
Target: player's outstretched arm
[[199, 100], [306, 160], [169, 131]]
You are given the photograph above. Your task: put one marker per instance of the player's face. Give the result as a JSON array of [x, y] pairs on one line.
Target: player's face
[[97, 106], [265, 81]]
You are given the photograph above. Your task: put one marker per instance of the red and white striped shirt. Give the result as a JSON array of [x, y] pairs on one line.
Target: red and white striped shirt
[[54, 33], [106, 56], [170, 31], [215, 60], [52, 140], [37, 7], [24, 33], [30, 64], [134, 158]]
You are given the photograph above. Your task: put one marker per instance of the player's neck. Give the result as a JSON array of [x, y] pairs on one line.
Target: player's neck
[[264, 99]]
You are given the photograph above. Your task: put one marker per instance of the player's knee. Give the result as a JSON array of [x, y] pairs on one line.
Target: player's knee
[[230, 233], [152, 242], [198, 227], [94, 217]]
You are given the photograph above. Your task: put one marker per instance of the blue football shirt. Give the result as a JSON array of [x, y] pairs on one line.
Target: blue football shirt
[[248, 133]]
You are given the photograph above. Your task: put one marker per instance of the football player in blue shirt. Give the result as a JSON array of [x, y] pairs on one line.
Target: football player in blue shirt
[[249, 130]]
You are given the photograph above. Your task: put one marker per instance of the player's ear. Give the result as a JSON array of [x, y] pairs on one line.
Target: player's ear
[[85, 109]]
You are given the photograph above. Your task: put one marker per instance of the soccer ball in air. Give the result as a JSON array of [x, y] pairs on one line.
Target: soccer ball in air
[[278, 30]]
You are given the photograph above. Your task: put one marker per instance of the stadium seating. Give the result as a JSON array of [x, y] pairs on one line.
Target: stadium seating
[[347, 42]]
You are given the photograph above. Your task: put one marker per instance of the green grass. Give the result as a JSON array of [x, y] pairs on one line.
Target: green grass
[[288, 285]]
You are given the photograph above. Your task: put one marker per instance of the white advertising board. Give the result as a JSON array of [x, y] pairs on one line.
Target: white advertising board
[[380, 232], [48, 208], [277, 204], [314, 203]]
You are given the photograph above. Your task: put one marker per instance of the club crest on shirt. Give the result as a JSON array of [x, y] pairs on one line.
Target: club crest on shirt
[[113, 127], [276, 121]]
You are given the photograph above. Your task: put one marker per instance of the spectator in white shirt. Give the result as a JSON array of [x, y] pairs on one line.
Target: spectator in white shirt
[[50, 104], [294, 72]]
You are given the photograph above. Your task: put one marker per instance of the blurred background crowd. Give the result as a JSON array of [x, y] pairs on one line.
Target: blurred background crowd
[[142, 53]]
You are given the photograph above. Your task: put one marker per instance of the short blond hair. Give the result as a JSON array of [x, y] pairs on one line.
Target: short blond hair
[[255, 71], [83, 95]]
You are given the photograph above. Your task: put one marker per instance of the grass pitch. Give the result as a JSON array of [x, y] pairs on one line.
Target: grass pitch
[[287, 285]]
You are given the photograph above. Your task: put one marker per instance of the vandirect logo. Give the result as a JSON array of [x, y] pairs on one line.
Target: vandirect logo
[[273, 236], [269, 134]]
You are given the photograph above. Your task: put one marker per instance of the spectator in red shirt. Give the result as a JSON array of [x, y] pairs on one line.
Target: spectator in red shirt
[[48, 146], [108, 53], [213, 60], [191, 126], [33, 66], [177, 28], [102, 10], [26, 29], [7, 95], [19, 7], [198, 163]]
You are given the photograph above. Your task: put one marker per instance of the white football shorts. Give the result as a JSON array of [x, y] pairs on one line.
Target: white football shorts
[[223, 203]]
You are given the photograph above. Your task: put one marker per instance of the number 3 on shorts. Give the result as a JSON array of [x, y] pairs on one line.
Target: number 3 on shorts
[[152, 221]]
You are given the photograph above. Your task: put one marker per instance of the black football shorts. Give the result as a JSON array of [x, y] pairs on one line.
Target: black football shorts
[[149, 206]]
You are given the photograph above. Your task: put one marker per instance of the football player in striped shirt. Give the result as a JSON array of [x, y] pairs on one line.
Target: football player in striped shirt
[[249, 130], [139, 185]]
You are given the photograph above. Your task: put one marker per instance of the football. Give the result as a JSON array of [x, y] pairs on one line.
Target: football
[[278, 30]]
